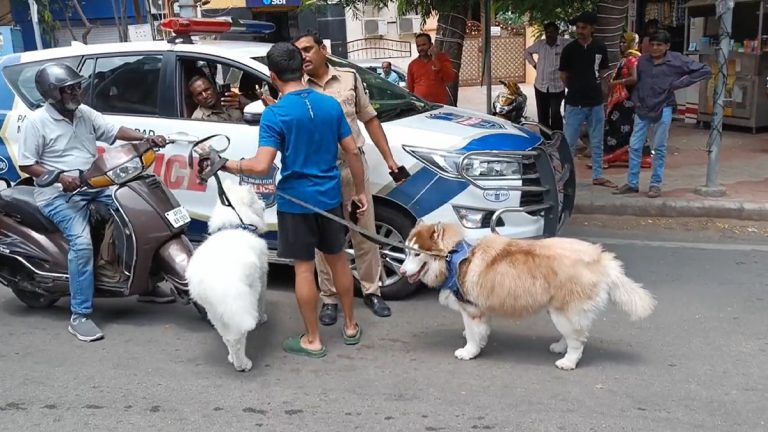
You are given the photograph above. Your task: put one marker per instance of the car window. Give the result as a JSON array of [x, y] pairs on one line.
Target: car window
[[248, 84], [21, 78], [389, 100], [127, 85]]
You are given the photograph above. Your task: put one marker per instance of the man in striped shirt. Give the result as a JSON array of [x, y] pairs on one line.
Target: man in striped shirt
[[549, 88]]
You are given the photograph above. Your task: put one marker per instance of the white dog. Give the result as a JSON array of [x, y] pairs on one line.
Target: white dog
[[571, 279], [228, 273]]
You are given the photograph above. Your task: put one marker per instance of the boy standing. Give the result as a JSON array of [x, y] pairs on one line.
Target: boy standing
[[306, 127], [659, 74]]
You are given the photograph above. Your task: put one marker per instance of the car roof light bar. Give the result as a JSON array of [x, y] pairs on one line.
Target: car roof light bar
[[189, 26]]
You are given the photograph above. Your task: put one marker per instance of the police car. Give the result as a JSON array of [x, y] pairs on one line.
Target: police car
[[476, 170]]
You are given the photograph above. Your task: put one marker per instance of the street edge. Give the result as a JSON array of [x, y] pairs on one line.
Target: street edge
[[671, 207]]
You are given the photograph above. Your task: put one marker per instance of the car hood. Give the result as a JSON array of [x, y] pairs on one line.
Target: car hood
[[454, 129]]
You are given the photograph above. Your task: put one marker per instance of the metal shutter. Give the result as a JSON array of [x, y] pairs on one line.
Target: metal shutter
[[97, 35]]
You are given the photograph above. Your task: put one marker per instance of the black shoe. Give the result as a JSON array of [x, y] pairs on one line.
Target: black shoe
[[328, 314], [626, 189], [376, 304]]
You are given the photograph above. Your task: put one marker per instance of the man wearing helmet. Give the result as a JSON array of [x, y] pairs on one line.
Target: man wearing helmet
[[62, 135]]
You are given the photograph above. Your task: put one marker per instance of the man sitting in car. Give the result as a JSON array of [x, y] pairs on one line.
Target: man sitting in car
[[215, 107]]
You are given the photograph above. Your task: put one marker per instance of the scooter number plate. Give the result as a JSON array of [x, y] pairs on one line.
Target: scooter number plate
[[178, 217]]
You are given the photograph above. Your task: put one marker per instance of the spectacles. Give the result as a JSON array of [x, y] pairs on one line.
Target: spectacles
[[72, 88]]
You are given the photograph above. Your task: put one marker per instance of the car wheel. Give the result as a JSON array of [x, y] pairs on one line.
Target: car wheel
[[394, 226], [35, 300]]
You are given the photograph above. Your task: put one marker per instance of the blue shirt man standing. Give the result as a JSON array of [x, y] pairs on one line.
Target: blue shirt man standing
[[659, 74], [388, 74], [306, 127]]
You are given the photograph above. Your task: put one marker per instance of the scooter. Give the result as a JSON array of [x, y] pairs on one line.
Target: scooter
[[510, 103], [148, 244]]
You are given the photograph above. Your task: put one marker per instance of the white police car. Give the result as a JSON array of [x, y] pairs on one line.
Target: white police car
[[468, 168]]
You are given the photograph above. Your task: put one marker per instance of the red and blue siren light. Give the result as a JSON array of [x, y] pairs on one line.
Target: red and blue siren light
[[188, 26]]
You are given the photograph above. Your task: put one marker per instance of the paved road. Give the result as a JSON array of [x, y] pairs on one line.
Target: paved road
[[696, 365]]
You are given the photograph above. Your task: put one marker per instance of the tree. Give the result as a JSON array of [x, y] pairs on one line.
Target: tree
[[611, 22], [453, 16]]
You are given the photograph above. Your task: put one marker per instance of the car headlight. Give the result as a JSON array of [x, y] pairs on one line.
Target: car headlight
[[482, 167], [126, 171], [470, 218]]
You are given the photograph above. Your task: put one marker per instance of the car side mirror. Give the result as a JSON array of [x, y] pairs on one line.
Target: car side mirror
[[252, 113]]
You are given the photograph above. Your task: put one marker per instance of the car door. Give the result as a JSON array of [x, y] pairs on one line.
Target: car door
[[200, 199]]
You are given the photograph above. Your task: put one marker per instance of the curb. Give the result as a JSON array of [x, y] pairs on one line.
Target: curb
[[671, 207]]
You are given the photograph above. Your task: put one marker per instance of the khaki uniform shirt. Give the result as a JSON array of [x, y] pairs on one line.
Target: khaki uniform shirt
[[220, 114], [346, 87]]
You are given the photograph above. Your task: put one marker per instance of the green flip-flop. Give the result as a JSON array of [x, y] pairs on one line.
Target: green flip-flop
[[292, 345], [352, 340]]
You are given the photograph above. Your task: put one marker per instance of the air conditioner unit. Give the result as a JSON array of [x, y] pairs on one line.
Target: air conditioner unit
[[408, 24], [374, 27]]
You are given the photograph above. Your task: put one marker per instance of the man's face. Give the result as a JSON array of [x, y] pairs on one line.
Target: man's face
[[423, 45], [387, 68], [583, 31], [71, 96], [204, 93], [314, 55], [659, 49], [550, 34]]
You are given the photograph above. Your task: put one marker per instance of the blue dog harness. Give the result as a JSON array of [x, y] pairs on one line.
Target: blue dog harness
[[458, 254]]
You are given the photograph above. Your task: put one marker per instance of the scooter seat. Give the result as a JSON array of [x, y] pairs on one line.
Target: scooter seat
[[19, 203]]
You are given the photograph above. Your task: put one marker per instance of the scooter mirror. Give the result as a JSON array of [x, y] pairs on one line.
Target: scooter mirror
[[252, 113], [48, 178]]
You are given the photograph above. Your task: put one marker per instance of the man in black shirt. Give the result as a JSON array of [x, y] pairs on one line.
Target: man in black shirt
[[582, 63]]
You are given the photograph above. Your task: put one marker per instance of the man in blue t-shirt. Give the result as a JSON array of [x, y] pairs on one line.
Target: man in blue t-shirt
[[306, 127]]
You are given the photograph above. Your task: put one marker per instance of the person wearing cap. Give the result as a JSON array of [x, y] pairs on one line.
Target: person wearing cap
[[582, 63]]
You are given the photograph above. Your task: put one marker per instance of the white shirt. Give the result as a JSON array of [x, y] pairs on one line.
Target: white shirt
[[547, 73]]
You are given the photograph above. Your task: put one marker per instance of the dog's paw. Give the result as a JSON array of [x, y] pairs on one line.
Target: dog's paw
[[229, 358], [263, 318], [559, 347], [565, 364], [466, 353], [245, 366]]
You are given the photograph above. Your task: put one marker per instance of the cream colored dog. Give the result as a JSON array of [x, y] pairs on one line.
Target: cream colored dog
[[570, 278]]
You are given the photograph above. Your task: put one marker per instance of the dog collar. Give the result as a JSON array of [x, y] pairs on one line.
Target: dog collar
[[459, 253], [245, 227]]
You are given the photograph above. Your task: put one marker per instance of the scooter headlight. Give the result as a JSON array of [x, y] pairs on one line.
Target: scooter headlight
[[126, 171]]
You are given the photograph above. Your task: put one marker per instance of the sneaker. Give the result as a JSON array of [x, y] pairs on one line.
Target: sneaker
[[157, 295], [84, 329]]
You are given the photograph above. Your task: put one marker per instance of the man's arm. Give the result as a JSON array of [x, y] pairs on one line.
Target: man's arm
[[259, 165], [565, 65], [444, 67], [379, 138], [355, 162], [533, 49], [30, 150], [409, 78], [695, 72]]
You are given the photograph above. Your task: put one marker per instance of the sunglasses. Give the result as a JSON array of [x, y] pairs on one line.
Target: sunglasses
[[72, 88]]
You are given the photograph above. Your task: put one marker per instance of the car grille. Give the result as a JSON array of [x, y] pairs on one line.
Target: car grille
[[531, 178]]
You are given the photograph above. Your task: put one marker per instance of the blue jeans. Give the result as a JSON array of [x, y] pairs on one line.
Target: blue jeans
[[595, 118], [72, 218], [659, 146]]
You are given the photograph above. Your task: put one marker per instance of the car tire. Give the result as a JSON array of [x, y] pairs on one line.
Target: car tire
[[35, 300], [394, 225]]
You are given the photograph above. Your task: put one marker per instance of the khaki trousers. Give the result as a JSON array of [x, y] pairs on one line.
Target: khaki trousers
[[367, 257]]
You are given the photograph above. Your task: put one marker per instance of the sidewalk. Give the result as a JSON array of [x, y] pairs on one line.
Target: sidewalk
[[743, 172]]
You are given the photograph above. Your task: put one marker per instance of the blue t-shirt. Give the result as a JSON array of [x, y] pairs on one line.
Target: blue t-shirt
[[306, 126]]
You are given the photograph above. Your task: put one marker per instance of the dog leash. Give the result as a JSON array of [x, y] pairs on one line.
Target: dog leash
[[375, 238]]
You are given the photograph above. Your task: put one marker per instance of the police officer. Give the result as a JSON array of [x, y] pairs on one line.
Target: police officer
[[62, 135], [345, 85]]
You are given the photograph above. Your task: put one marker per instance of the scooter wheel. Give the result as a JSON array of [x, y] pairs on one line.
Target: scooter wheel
[[35, 300]]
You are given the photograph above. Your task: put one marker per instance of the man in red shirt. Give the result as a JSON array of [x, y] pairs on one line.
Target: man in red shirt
[[431, 72]]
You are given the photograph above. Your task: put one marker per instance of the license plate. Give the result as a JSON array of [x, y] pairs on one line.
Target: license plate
[[178, 217]]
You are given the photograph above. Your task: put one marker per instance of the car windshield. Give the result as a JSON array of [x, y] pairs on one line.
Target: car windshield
[[390, 101]]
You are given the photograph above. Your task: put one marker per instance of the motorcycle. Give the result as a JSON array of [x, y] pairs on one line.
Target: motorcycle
[[510, 103], [148, 243]]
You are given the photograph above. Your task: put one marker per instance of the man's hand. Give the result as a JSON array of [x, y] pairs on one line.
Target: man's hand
[[433, 51], [69, 183], [392, 165], [362, 202], [234, 100], [157, 140]]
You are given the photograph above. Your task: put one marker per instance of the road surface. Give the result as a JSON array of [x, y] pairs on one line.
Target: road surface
[[697, 364]]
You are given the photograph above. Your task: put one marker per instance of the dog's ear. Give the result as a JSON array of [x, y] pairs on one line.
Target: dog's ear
[[437, 233], [419, 222]]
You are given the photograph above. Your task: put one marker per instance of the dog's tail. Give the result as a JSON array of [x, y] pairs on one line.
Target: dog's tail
[[627, 294]]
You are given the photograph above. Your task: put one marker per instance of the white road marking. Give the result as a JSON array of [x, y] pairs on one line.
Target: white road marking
[[681, 245]]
